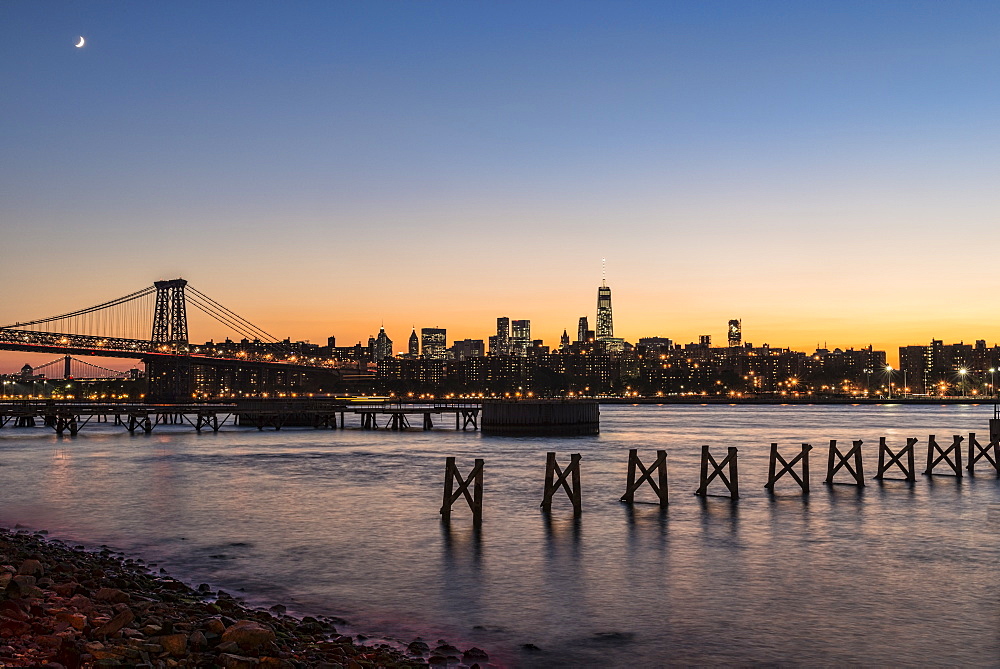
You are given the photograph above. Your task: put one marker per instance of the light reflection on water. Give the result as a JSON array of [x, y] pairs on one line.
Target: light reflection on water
[[346, 523]]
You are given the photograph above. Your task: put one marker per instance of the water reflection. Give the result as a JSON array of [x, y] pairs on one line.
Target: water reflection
[[346, 523]]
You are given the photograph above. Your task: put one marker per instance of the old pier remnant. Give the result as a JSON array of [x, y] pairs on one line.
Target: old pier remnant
[[659, 486], [840, 460], [732, 481], [909, 469], [451, 494], [978, 452], [944, 454], [786, 467], [555, 478], [541, 417]]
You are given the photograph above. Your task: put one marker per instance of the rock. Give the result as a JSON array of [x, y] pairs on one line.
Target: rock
[[13, 611], [438, 660], [268, 662], [175, 644], [65, 589], [446, 649], [475, 655], [115, 624], [24, 579], [215, 626], [197, 640], [81, 603], [418, 647], [113, 595], [13, 628], [31, 568], [248, 635], [77, 621], [230, 661]]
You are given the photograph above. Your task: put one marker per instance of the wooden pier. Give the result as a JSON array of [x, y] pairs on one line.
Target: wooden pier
[[66, 417]]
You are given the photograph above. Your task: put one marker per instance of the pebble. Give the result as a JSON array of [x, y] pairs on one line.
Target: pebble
[[63, 607]]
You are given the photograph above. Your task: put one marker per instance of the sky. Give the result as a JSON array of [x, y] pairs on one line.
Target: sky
[[825, 171]]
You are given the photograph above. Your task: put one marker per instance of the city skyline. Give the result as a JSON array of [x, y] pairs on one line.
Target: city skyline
[[516, 338], [821, 172]]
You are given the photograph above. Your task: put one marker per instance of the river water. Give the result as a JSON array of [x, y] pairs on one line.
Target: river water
[[345, 523]]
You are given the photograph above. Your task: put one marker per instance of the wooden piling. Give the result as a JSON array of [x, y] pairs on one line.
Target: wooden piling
[[732, 481], [556, 478], [838, 460], [475, 499], [977, 452], [786, 467], [660, 466], [944, 454], [909, 469]]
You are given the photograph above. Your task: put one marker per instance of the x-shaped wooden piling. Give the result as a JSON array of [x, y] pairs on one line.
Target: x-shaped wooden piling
[[555, 478], [475, 500], [786, 467], [659, 466], [894, 458], [842, 459], [943, 454], [706, 478], [977, 452]]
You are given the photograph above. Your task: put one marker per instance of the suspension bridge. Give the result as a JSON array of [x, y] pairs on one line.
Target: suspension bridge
[[151, 325], [68, 368]]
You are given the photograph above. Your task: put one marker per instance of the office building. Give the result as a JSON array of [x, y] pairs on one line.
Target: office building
[[605, 326], [502, 346], [520, 337], [432, 343], [735, 333]]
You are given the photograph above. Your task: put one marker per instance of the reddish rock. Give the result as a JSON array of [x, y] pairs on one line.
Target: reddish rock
[[230, 661], [81, 603], [31, 568], [215, 626], [115, 624], [248, 634], [65, 589], [175, 644], [75, 620], [11, 628], [113, 595]]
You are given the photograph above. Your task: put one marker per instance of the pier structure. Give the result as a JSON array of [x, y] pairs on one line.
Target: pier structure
[[69, 417]]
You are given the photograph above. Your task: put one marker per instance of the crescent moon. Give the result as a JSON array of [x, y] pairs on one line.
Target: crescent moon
[[81, 42]]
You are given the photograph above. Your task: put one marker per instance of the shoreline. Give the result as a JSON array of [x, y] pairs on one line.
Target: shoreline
[[66, 606]]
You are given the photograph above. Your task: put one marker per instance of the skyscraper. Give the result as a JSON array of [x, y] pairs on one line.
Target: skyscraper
[[564, 341], [413, 346], [605, 327], [432, 342], [520, 337], [582, 329], [383, 346], [503, 336], [735, 333]]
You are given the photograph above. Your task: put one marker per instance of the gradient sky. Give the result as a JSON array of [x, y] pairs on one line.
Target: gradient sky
[[825, 171]]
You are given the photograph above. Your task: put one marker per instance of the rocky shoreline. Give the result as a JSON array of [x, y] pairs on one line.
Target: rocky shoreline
[[64, 607]]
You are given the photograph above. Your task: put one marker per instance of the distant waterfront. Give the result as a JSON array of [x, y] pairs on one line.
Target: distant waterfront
[[894, 573]]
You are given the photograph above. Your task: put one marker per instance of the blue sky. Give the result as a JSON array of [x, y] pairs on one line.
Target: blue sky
[[801, 165]]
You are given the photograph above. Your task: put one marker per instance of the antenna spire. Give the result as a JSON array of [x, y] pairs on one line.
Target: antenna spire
[[604, 272]]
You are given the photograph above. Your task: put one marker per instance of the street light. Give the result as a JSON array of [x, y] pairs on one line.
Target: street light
[[964, 384], [888, 375]]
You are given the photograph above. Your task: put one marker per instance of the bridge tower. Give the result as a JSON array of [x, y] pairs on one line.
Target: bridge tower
[[170, 318], [170, 377]]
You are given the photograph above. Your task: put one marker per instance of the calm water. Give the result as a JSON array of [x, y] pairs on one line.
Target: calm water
[[346, 523]]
